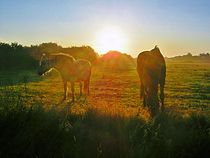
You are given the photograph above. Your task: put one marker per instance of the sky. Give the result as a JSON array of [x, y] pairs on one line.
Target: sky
[[176, 26]]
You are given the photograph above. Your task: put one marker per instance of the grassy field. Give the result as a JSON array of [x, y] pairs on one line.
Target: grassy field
[[111, 121], [187, 90]]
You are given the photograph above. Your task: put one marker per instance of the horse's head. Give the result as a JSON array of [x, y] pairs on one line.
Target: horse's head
[[44, 65], [155, 49]]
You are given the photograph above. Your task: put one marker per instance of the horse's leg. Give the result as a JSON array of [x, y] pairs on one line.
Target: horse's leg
[[72, 91], [162, 83], [86, 86], [80, 86], [144, 101], [65, 89], [153, 104], [89, 82], [141, 90], [143, 93]]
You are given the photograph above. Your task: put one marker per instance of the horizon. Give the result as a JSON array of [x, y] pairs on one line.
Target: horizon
[[101, 54], [177, 27]]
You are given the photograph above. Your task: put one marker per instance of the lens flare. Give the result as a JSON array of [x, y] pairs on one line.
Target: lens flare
[[110, 39]]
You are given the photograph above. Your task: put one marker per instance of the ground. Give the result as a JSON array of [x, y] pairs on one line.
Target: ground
[[115, 91], [111, 121]]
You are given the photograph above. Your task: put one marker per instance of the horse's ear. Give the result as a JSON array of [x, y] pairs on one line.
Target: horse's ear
[[43, 55], [43, 58], [156, 46]]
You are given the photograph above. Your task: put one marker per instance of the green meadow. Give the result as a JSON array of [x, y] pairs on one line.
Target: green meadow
[[111, 121]]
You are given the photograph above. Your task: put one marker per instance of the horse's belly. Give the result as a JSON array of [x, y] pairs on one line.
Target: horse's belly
[[77, 77], [80, 72]]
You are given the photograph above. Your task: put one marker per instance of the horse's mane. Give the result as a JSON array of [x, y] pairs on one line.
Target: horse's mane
[[63, 55]]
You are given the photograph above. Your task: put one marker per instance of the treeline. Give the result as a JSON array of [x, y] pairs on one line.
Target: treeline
[[16, 56], [83, 52], [203, 57], [116, 60]]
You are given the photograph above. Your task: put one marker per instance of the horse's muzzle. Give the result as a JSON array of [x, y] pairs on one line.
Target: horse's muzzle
[[39, 73]]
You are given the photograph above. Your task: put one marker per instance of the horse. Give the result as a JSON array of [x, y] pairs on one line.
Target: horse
[[151, 69], [70, 69]]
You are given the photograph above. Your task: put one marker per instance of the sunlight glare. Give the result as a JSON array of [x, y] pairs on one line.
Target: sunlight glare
[[110, 39]]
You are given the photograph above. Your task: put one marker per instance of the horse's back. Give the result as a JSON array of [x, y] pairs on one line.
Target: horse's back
[[63, 58], [151, 63], [72, 69]]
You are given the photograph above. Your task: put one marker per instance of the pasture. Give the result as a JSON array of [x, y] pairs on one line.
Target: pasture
[[111, 121], [187, 90]]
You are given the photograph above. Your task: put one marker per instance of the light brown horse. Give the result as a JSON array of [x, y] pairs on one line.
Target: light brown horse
[[70, 70], [151, 68]]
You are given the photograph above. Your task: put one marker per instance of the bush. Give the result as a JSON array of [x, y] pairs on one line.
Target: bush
[[34, 132]]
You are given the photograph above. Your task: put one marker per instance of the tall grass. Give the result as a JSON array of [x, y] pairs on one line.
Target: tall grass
[[36, 132]]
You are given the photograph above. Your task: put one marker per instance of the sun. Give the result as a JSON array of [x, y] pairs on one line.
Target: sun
[[110, 39]]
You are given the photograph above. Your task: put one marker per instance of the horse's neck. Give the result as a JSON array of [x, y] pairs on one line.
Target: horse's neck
[[52, 63]]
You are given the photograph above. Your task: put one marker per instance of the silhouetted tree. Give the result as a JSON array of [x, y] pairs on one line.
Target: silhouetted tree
[[116, 60], [15, 56]]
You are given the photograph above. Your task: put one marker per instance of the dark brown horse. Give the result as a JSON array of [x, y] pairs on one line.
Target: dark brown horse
[[70, 70], [151, 68]]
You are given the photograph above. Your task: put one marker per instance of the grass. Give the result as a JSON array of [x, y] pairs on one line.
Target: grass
[[187, 87], [111, 122], [187, 90], [37, 132]]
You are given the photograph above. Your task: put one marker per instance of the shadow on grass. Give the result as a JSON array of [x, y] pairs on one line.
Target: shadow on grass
[[36, 132]]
